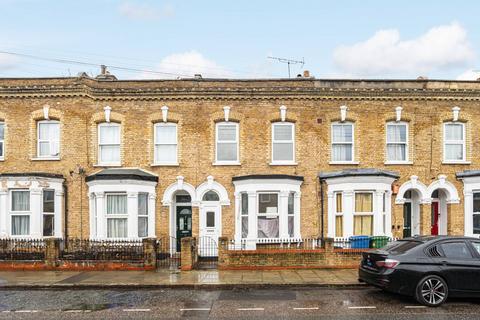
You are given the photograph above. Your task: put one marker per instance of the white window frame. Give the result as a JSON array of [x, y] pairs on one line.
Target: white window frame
[[2, 142], [455, 142], [109, 124], [157, 144], [338, 213], [20, 213], [48, 213], [473, 214], [227, 162], [50, 142], [371, 213], [115, 216], [292, 142], [143, 216], [243, 214], [406, 143], [352, 143], [277, 214]]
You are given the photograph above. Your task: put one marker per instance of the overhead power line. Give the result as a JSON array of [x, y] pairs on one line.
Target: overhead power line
[[68, 61]]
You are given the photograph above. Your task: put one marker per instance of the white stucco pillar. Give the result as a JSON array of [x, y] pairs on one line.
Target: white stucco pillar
[[283, 214], [297, 219], [468, 207], [388, 213], [58, 217], [330, 215], [36, 217], [252, 220], [91, 212], [151, 215], [238, 217], [132, 209], [4, 225], [101, 221], [348, 208], [378, 212]]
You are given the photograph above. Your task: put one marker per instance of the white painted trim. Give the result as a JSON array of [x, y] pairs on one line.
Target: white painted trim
[[463, 142], [168, 194], [156, 143], [50, 141], [414, 184], [99, 158], [292, 141], [237, 142], [346, 143], [406, 143], [209, 185]]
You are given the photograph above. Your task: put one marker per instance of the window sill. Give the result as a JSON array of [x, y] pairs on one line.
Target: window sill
[[344, 162], [220, 163], [46, 159], [106, 165], [456, 162], [164, 165], [398, 162], [285, 163], [2, 159]]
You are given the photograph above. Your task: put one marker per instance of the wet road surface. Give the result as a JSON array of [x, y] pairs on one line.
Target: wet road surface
[[298, 303]]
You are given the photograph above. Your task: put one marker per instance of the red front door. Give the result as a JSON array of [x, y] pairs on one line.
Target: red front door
[[434, 229]]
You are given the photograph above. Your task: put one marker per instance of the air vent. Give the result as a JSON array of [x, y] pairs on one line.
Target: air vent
[[433, 252]]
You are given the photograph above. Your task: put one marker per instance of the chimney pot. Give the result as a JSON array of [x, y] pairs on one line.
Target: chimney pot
[[198, 76], [306, 74]]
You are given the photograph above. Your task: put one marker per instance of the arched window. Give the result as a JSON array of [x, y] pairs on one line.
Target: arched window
[[211, 196]]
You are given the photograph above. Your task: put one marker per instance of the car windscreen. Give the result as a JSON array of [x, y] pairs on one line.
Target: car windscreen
[[399, 247]]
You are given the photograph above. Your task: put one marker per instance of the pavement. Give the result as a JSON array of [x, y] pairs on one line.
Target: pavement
[[197, 279], [281, 303]]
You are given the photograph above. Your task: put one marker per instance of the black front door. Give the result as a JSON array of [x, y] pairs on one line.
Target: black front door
[[407, 219], [184, 224]]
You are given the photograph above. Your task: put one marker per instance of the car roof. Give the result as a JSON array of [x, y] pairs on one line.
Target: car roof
[[426, 239]]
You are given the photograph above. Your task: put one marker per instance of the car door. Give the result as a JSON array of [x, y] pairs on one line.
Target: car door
[[475, 245], [459, 265]]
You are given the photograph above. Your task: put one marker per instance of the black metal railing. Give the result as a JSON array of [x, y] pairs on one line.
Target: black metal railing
[[87, 249], [22, 249], [167, 254], [207, 248]]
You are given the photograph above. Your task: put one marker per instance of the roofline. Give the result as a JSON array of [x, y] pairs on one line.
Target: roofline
[[354, 174], [267, 176], [104, 177]]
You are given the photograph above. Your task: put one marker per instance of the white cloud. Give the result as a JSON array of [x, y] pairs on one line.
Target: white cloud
[[439, 49], [469, 75], [187, 64], [7, 61], [139, 11]]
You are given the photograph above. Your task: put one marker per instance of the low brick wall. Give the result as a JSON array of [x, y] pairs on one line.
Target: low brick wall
[[277, 259], [74, 266]]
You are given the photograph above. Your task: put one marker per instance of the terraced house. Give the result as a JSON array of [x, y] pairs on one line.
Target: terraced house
[[246, 159]]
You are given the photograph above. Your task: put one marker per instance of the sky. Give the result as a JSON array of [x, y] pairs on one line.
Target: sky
[[146, 39]]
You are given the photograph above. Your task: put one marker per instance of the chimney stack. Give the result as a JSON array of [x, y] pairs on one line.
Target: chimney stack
[[306, 74]]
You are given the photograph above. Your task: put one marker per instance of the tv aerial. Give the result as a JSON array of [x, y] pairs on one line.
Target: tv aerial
[[288, 62]]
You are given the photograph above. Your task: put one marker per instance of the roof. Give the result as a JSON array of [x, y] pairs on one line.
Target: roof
[[358, 172], [267, 176], [121, 173], [33, 174], [468, 173]]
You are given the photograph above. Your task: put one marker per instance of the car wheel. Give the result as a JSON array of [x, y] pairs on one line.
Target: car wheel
[[432, 291]]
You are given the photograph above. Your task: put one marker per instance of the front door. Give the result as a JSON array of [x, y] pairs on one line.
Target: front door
[[210, 230], [407, 219], [434, 229], [184, 224]]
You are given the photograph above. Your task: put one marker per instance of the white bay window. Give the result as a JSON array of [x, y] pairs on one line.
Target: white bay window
[[267, 207], [20, 212], [117, 216]]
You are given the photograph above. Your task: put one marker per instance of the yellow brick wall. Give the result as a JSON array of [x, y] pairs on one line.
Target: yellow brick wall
[[196, 115]]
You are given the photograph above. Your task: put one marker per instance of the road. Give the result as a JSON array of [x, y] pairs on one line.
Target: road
[[298, 303]]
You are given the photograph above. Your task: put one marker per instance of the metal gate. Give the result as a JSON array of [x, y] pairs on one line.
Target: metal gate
[[167, 255], [207, 253]]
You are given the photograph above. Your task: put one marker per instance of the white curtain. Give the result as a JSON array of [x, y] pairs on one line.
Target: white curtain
[[396, 133], [49, 137], [117, 228], [116, 204], [142, 227], [342, 133], [226, 151], [166, 153], [283, 151], [454, 131], [2, 131], [342, 152], [244, 226], [109, 143], [283, 132], [166, 134], [396, 152], [142, 204], [20, 200], [290, 226], [20, 225], [268, 227]]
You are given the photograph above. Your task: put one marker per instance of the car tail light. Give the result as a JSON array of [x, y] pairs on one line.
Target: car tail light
[[387, 264]]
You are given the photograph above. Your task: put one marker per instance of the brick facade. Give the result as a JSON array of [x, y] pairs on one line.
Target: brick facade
[[195, 105]]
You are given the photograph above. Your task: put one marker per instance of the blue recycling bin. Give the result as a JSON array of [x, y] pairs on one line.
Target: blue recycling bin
[[359, 242]]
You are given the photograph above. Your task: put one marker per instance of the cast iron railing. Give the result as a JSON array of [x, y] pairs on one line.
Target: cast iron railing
[[22, 249], [114, 250]]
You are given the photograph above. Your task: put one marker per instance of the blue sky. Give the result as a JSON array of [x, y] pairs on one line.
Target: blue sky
[[337, 39]]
